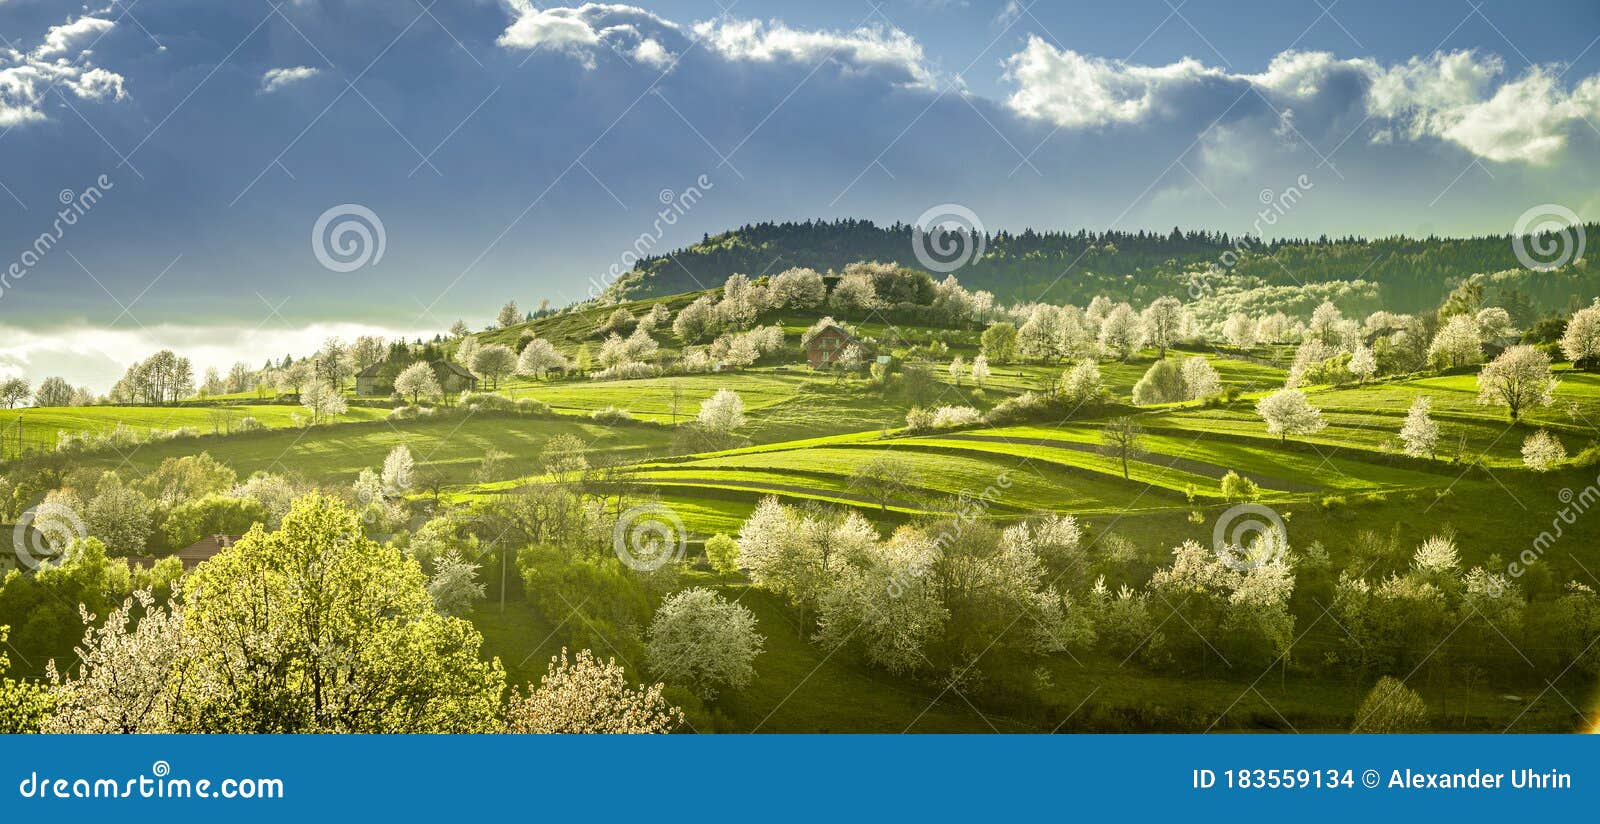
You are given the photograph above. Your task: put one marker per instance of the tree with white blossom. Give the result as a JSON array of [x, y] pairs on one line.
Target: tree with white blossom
[[1287, 412], [417, 381], [980, 370], [1420, 434], [703, 642], [539, 358], [1363, 364], [1542, 451], [582, 695], [722, 413], [1581, 339], [1519, 379]]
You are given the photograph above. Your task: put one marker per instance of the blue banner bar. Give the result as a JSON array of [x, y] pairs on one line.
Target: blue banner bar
[[682, 778]]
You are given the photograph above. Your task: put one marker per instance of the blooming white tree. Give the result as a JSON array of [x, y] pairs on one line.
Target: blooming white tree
[[702, 641], [980, 370], [1519, 380], [1363, 364], [1240, 331], [1162, 321], [417, 381], [1121, 332], [454, 585], [1581, 340], [323, 401], [957, 368], [885, 605], [798, 288], [1456, 343], [585, 696], [1420, 433], [722, 413], [494, 363], [697, 321], [1436, 555], [1201, 379], [1081, 384], [1287, 412], [1325, 324], [467, 350], [397, 468], [1494, 324], [1542, 451], [539, 358], [854, 294]]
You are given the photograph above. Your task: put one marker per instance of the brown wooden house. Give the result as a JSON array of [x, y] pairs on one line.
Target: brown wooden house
[[828, 345], [192, 555]]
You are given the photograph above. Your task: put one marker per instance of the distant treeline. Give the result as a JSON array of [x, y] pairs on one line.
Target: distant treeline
[[1073, 267]]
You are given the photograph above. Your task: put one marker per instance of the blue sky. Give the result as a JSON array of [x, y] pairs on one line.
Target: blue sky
[[514, 150]]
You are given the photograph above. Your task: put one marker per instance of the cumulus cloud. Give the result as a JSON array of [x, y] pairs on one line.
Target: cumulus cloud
[[1459, 97], [26, 77], [64, 38], [587, 32], [276, 79], [873, 49]]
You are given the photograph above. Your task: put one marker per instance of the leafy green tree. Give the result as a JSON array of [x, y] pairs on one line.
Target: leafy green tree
[[723, 553], [214, 514], [315, 628], [1000, 342]]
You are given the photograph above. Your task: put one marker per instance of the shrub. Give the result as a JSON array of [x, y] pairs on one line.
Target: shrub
[[1236, 487], [249, 424], [919, 419], [949, 416], [404, 413], [611, 414], [1163, 383], [533, 406], [1391, 707], [487, 402], [627, 371], [1026, 406], [1542, 451]]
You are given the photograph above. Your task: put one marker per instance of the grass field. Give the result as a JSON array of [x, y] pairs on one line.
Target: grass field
[[39, 428]]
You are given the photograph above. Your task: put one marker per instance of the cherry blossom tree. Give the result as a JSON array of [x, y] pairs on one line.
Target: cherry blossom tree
[[1287, 412], [1542, 451], [417, 381], [1519, 379], [1581, 339], [1419, 433], [584, 696], [702, 641], [722, 413]]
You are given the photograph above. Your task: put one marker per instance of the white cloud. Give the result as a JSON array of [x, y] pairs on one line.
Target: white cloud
[[27, 77], [61, 39], [585, 32], [276, 79], [873, 48], [1457, 97]]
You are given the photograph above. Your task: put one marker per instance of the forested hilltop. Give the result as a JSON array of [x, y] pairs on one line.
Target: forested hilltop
[[1399, 273]]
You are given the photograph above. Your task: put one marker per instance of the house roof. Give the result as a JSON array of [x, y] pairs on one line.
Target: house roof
[[371, 371], [192, 555], [451, 367], [834, 327]]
